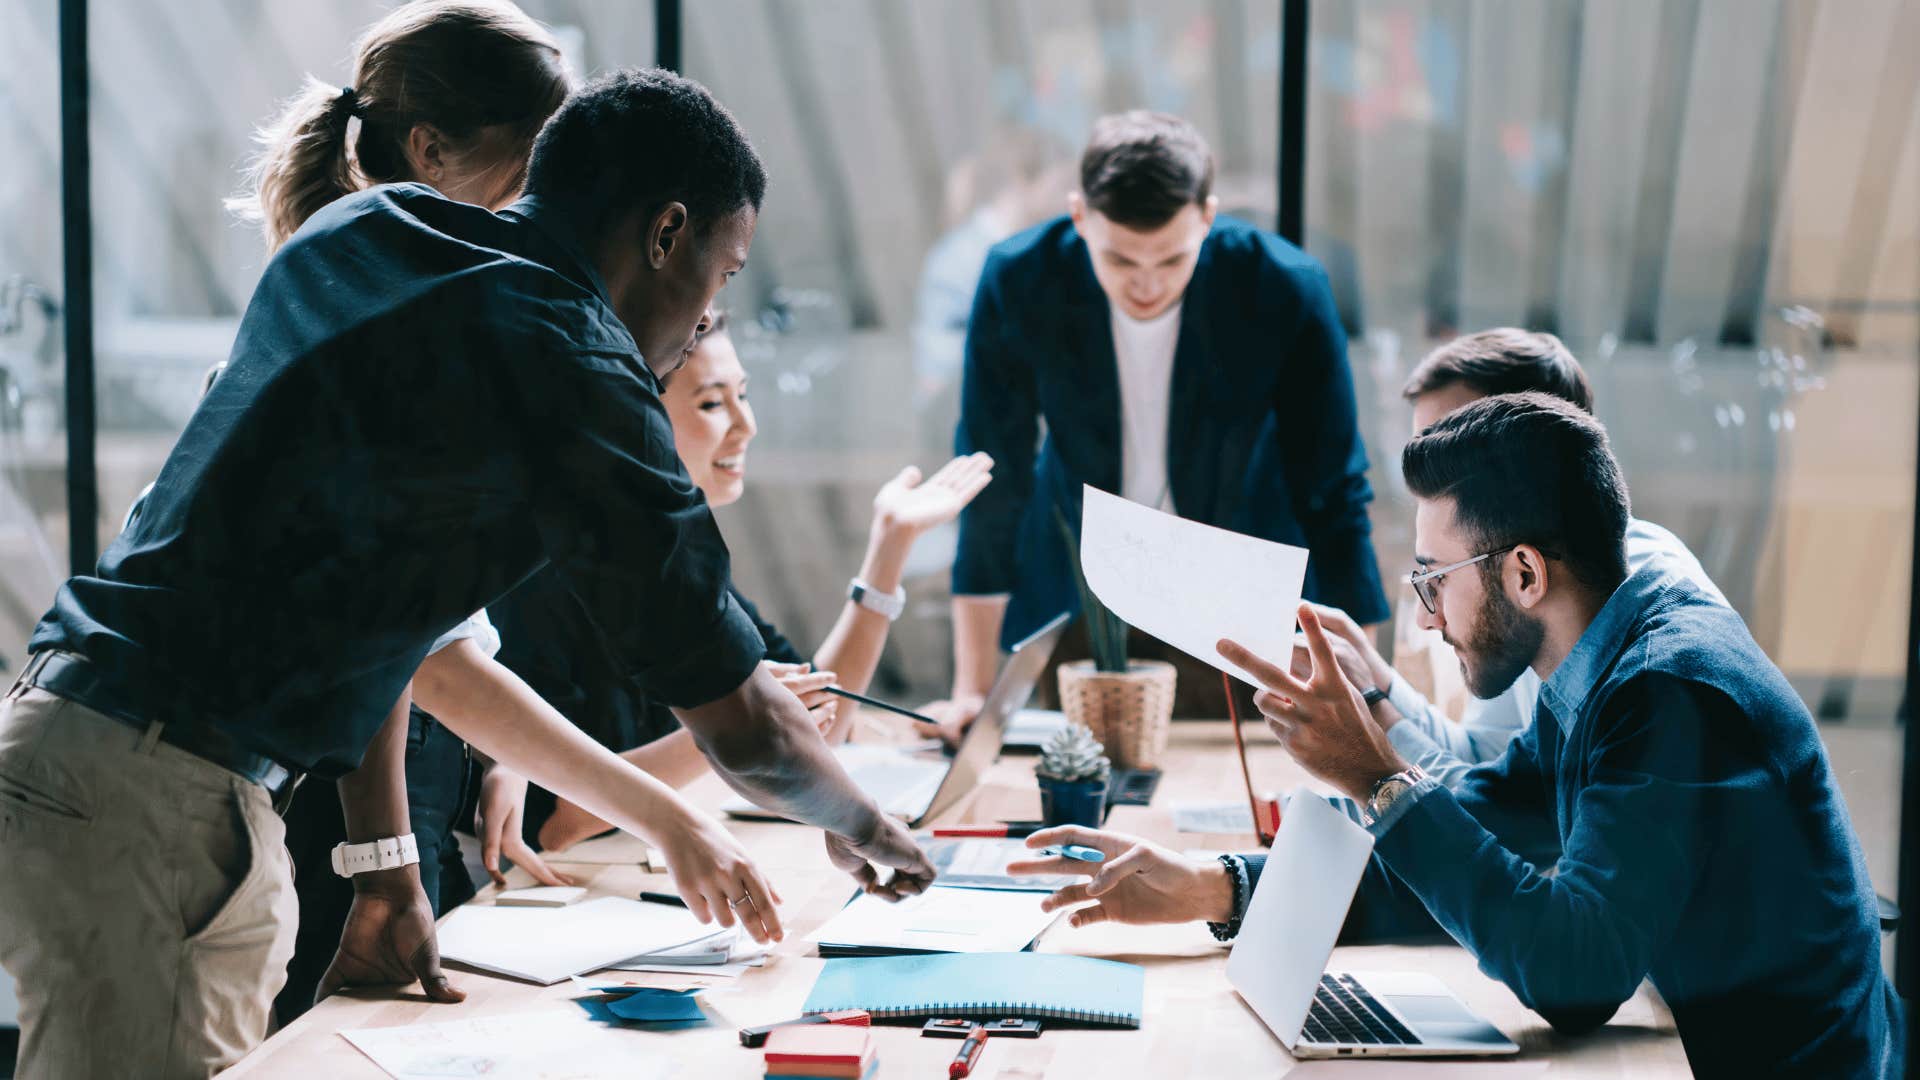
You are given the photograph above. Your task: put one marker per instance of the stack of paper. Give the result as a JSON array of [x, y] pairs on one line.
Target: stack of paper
[[728, 954], [821, 1050], [940, 920], [545, 945]]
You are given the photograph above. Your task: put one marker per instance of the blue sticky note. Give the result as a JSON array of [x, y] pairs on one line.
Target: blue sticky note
[[596, 1007], [657, 1006]]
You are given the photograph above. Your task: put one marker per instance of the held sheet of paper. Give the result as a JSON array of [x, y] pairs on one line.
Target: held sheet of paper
[[1190, 584]]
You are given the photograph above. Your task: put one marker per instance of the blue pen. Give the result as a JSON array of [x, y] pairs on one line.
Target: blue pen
[[1075, 851]]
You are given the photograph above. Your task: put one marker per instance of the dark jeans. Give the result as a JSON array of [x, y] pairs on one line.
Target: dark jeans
[[438, 790]]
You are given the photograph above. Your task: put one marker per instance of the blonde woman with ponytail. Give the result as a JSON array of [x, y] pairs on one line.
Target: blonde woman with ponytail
[[448, 93]]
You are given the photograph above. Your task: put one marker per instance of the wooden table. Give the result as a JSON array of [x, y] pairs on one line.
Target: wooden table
[[1194, 1024]]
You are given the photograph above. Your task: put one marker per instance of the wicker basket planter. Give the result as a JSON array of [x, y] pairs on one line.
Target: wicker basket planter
[[1130, 712]]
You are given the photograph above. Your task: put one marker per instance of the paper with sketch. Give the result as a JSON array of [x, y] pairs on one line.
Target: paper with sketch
[[547, 1045], [1190, 584]]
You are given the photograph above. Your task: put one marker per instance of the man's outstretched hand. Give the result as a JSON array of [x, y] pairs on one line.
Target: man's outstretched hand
[[890, 847], [389, 939]]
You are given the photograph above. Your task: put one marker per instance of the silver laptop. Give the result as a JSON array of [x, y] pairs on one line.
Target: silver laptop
[[920, 788], [1279, 962]]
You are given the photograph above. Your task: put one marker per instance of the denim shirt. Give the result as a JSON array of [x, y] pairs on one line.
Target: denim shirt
[[1445, 750], [1703, 844]]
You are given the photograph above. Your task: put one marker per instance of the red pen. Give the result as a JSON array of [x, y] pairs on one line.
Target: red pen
[[1016, 830], [970, 1048]]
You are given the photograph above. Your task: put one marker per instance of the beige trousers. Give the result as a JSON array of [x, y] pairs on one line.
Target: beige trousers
[[146, 898]]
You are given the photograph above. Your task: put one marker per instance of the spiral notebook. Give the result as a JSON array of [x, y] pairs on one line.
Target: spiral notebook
[[1047, 985]]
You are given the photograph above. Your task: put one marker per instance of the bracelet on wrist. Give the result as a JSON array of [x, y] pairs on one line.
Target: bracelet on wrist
[[1237, 881]]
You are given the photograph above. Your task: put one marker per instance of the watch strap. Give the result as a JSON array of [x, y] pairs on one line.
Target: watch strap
[[1373, 695], [889, 605], [386, 853]]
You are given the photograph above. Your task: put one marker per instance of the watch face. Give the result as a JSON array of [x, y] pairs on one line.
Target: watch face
[[1388, 794]]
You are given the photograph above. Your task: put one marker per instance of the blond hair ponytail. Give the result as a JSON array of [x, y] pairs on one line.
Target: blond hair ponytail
[[303, 164], [457, 65]]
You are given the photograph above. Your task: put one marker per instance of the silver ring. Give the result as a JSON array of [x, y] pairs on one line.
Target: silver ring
[[745, 898]]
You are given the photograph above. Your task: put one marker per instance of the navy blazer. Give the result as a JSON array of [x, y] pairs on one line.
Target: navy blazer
[[1261, 436]]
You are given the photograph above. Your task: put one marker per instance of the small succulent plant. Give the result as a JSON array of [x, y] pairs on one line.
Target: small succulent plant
[[1073, 754]]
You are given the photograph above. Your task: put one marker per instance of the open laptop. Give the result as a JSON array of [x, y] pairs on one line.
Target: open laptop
[[1278, 964], [919, 788]]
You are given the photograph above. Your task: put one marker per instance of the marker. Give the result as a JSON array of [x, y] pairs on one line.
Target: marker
[[1075, 851], [757, 1036], [662, 898], [963, 1061], [1016, 830], [878, 704]]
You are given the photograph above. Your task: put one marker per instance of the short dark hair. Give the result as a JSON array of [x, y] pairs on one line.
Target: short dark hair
[[639, 138], [1504, 360], [1528, 469], [1141, 167]]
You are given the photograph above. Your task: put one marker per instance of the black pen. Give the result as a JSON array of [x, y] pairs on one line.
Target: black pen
[[662, 898], [878, 704]]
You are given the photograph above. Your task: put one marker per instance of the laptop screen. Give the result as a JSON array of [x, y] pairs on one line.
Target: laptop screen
[[1011, 691], [1297, 909]]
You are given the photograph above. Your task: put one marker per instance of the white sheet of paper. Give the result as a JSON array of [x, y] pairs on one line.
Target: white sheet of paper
[[941, 920], [541, 896], [546, 1045], [1212, 817], [1033, 727], [545, 945], [1190, 584]]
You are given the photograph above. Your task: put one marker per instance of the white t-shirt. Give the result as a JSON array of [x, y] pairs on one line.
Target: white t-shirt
[[1143, 350]]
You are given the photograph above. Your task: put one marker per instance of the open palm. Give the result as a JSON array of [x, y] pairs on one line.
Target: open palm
[[908, 502]]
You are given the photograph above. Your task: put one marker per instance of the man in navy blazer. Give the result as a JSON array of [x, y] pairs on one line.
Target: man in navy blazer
[[1181, 359]]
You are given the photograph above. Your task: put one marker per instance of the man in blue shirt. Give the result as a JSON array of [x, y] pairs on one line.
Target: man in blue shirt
[[1702, 841]]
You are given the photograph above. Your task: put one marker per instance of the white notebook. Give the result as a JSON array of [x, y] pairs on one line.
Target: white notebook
[[545, 945], [940, 920]]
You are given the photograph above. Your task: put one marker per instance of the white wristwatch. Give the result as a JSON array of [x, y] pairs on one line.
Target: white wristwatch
[[383, 854], [888, 604]]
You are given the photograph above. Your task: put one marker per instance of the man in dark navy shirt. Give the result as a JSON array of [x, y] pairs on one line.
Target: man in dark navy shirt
[[425, 404]]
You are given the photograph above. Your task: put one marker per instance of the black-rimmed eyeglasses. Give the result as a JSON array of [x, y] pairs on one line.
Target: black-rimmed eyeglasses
[[1426, 583]]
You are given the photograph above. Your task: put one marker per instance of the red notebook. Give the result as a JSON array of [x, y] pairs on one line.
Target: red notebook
[[819, 1044]]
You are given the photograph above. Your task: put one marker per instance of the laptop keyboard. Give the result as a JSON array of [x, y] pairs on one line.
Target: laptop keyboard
[[1343, 1012]]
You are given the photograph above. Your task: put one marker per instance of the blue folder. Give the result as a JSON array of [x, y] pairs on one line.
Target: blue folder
[[990, 985]]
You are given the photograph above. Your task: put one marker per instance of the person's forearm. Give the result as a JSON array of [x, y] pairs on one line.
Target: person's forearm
[[976, 643], [488, 706], [373, 797], [763, 743], [671, 759], [852, 648]]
